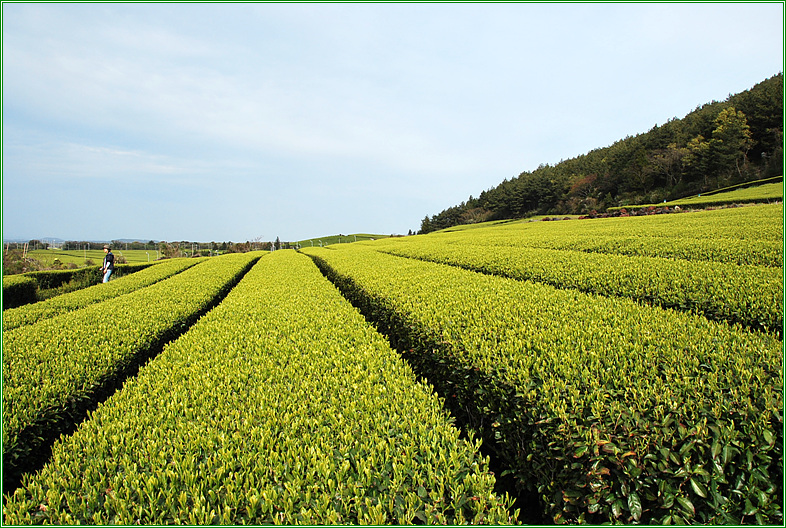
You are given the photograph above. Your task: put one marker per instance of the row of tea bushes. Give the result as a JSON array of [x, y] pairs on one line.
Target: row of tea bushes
[[749, 295], [609, 410], [93, 277], [32, 313], [759, 222], [52, 283], [280, 406], [55, 369], [729, 251], [743, 236]]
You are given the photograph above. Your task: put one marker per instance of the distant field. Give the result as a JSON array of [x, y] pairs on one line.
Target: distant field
[[761, 193], [47, 256], [338, 239], [483, 225], [769, 191]]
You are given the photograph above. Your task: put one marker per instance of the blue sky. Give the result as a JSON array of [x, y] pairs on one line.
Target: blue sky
[[240, 121]]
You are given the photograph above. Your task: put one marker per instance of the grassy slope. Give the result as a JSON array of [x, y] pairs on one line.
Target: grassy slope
[[761, 193], [338, 239]]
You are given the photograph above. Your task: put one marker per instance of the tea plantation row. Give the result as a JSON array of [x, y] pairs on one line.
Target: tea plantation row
[[611, 411], [55, 369], [282, 405], [746, 236], [32, 313], [749, 295]]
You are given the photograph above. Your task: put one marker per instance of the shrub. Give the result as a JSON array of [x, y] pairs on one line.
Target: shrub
[[18, 290]]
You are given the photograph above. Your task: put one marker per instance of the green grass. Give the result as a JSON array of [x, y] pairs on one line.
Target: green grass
[[338, 239], [767, 192], [535, 218]]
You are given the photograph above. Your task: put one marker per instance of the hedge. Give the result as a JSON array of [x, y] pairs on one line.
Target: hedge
[[749, 295], [18, 290]]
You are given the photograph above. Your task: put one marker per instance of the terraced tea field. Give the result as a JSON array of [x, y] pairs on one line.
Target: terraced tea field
[[625, 370]]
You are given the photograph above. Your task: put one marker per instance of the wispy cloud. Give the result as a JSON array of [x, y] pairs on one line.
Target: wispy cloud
[[270, 100], [49, 159]]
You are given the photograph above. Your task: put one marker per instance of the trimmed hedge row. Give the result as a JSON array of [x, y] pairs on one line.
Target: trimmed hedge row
[[609, 410], [280, 406], [742, 252], [744, 236], [56, 369], [18, 290], [749, 295], [33, 313]]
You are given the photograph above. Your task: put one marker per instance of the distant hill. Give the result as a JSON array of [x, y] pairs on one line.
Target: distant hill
[[50, 240], [717, 145]]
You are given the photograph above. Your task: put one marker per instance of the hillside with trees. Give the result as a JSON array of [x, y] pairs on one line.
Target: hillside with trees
[[717, 145]]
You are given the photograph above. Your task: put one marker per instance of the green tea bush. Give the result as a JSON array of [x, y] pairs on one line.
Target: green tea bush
[[18, 290], [749, 295], [33, 313], [53, 279], [52, 283], [609, 410], [280, 406], [764, 193], [746, 236], [73, 280], [55, 369]]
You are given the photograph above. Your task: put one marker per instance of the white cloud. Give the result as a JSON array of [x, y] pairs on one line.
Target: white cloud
[[40, 160], [443, 99]]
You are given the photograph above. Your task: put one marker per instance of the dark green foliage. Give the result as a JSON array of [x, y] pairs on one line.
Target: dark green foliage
[[50, 279], [18, 290]]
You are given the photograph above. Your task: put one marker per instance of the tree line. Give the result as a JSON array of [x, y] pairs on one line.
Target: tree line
[[183, 248], [717, 145]]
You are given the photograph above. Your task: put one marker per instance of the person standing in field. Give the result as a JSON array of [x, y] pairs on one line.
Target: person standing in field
[[109, 263]]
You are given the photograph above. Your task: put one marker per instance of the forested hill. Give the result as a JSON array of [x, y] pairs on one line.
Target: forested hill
[[717, 145]]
